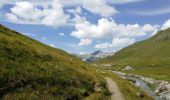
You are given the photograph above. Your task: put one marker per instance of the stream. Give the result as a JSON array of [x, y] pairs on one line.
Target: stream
[[139, 83]]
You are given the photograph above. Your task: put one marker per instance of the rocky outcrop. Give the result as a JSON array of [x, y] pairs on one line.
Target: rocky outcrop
[[162, 88], [127, 68]]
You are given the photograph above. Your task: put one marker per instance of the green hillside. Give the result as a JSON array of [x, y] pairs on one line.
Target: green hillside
[[32, 70], [149, 57]]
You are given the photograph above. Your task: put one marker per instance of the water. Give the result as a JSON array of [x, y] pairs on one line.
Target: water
[[141, 84], [144, 86]]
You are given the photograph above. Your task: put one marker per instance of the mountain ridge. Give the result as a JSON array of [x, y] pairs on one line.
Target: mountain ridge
[[143, 49], [94, 56]]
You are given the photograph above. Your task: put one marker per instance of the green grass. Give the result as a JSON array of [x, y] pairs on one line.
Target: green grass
[[32, 70], [150, 57], [159, 72]]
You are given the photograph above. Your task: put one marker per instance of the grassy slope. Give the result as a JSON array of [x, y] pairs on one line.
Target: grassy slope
[[32, 70], [150, 57]]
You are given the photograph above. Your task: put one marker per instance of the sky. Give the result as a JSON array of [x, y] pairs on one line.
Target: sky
[[84, 26]]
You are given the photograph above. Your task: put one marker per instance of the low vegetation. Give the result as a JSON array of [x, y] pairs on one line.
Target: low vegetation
[[31, 70]]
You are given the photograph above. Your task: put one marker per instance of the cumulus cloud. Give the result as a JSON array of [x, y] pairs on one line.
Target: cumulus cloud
[[116, 43], [51, 12], [100, 7], [77, 10], [84, 42], [103, 46], [166, 25], [108, 28], [11, 17], [122, 35], [27, 12], [83, 53]]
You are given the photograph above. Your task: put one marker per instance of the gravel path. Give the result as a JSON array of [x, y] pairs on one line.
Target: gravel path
[[114, 90]]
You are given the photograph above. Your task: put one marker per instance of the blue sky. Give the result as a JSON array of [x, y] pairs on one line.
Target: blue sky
[[83, 26]]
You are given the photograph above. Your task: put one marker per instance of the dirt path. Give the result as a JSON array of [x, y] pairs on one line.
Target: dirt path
[[114, 90]]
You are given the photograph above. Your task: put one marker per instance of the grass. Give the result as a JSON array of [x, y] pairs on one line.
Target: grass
[[159, 72], [32, 70], [150, 57]]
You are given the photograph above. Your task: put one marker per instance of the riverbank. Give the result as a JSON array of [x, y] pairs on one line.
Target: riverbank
[[161, 89]]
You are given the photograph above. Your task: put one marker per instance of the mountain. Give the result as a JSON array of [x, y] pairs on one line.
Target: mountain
[[153, 51], [94, 56], [97, 52], [32, 70]]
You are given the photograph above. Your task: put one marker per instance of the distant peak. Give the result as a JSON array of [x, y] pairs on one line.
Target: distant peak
[[97, 52]]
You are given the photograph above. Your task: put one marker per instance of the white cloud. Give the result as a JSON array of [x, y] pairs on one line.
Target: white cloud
[[75, 11], [83, 53], [108, 29], [122, 35], [84, 42], [166, 25], [11, 17], [52, 45], [122, 42], [100, 7], [50, 12], [103, 46], [61, 34], [27, 12], [117, 43], [37, 2]]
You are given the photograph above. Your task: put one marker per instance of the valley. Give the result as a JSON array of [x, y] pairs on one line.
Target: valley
[[84, 49], [45, 72], [148, 59]]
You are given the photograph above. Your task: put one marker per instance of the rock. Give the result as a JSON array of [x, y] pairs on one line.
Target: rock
[[128, 68], [168, 87], [107, 65], [97, 87], [103, 72], [140, 95], [168, 96], [132, 80]]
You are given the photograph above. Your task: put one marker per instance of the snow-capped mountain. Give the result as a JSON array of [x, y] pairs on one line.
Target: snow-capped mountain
[[96, 55]]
